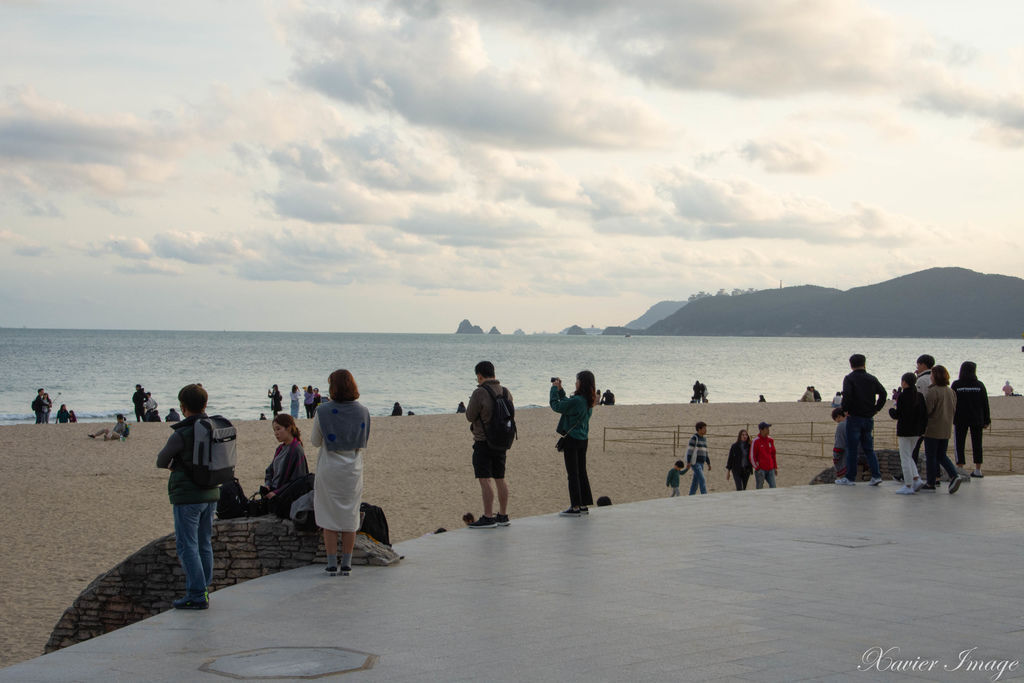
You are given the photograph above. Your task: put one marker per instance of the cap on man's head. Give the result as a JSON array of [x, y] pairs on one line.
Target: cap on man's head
[[762, 425]]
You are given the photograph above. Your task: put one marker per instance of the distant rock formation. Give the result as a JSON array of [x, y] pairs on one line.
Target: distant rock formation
[[519, 331], [494, 330], [575, 329], [466, 327], [655, 313], [619, 331]]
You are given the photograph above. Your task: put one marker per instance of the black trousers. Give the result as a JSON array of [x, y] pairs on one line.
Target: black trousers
[[740, 479], [960, 438], [576, 472]]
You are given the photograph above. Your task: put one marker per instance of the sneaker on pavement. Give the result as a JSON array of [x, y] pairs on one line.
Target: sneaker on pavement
[[484, 523], [875, 481], [905, 490], [955, 484], [345, 571], [189, 603], [927, 487], [843, 481], [502, 520], [960, 471], [977, 475], [570, 513], [331, 571], [584, 510], [918, 483]]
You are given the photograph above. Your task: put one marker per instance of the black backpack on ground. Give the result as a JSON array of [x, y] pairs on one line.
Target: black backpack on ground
[[374, 524], [232, 503], [501, 430]]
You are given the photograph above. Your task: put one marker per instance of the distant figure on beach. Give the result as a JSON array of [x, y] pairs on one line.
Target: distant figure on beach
[[152, 415], [839, 444], [63, 416], [763, 458], [672, 478], [738, 466], [316, 398], [341, 430], [700, 393], [911, 415], [193, 505], [72, 418], [295, 397], [1007, 389], [276, 400], [118, 431], [574, 424], [761, 399], [941, 403], [307, 400], [807, 397], [971, 415], [837, 400], [697, 457], [607, 398], [461, 408], [289, 461], [46, 405], [863, 396], [396, 410], [488, 462], [817, 394], [172, 416], [409, 412], [263, 416], [139, 401]]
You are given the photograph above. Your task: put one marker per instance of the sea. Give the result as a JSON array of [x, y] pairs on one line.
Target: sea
[[94, 372]]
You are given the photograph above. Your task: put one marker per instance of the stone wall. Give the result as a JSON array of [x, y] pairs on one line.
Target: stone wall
[[148, 581], [888, 463]]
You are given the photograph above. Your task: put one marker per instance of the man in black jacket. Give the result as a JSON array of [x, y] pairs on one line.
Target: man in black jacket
[[863, 396], [139, 400]]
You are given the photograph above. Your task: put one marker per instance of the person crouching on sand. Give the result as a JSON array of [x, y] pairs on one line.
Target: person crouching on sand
[[120, 430]]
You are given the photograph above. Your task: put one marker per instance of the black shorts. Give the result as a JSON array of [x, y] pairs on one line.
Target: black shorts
[[488, 463]]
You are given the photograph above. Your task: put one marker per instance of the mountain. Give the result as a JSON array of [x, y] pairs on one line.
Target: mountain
[[494, 330], [658, 311], [934, 303], [466, 327]]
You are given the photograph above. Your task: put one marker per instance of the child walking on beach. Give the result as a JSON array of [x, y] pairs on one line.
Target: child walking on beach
[[697, 456], [672, 480], [839, 444]]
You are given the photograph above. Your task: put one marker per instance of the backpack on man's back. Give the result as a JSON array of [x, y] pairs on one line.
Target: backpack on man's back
[[214, 452], [501, 429]]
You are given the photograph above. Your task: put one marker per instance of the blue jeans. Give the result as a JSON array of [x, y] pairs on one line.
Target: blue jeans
[[859, 435], [761, 476], [935, 455], [698, 479], [193, 528]]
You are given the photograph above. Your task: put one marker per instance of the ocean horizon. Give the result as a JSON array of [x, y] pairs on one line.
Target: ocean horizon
[[95, 372]]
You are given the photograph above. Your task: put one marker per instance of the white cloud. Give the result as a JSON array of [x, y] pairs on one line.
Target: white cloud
[[788, 155]]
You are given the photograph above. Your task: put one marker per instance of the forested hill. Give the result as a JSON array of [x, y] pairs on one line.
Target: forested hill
[[934, 303]]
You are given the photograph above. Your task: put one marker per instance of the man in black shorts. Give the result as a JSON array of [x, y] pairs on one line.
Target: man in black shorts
[[488, 463]]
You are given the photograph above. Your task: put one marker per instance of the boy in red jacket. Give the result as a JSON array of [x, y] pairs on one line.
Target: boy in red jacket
[[762, 457]]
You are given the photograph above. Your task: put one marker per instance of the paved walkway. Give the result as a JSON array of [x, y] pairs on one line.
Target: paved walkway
[[776, 585]]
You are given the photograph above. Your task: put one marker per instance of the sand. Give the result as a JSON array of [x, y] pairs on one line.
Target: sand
[[75, 507]]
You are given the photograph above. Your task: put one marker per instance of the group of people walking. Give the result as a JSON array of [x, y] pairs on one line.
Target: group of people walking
[[308, 398]]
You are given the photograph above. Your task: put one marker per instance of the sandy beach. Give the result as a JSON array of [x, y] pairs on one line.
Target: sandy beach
[[76, 507]]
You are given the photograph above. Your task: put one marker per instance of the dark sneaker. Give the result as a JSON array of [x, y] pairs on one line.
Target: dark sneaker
[[345, 571], [484, 523], [188, 603], [955, 484], [570, 513], [927, 487], [502, 520], [584, 510], [331, 571]]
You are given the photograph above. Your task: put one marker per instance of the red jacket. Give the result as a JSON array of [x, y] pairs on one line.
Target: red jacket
[[762, 453]]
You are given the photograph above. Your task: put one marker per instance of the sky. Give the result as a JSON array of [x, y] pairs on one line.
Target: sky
[[400, 166]]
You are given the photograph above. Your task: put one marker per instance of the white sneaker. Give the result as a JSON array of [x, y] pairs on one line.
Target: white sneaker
[[906, 491], [843, 481], [875, 481], [918, 483]]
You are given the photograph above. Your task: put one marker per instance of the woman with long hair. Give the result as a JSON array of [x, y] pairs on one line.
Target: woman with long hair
[[296, 397], [274, 394], [341, 429], [941, 403], [971, 415], [911, 414], [289, 462], [307, 399], [575, 425], [738, 466]]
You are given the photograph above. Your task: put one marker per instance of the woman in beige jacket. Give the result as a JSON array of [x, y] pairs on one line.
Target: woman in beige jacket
[[941, 403]]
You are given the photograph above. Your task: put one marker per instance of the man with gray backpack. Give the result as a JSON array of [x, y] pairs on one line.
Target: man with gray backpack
[[201, 456], [491, 416]]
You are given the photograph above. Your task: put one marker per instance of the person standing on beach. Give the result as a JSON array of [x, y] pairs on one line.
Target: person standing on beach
[[488, 462], [139, 401], [193, 505], [307, 400], [762, 457], [37, 406], [295, 397], [575, 426], [697, 456], [863, 396], [971, 415], [275, 400]]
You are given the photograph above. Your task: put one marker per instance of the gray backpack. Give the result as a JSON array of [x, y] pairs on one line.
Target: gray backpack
[[214, 454]]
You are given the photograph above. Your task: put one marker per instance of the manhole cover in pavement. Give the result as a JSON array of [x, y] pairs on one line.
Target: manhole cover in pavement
[[289, 662]]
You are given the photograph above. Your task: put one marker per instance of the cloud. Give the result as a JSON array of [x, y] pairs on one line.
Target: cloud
[[484, 226], [788, 155], [125, 247], [1002, 116], [434, 69], [198, 248]]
